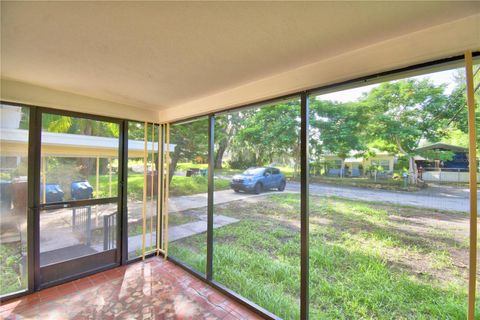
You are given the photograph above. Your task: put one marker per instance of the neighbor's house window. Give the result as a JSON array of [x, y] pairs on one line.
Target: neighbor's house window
[[385, 164]]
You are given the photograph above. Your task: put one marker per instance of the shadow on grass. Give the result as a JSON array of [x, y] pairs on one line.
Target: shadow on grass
[[350, 284], [258, 257], [396, 223]]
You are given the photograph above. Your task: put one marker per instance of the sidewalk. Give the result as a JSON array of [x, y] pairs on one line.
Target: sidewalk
[[181, 231]]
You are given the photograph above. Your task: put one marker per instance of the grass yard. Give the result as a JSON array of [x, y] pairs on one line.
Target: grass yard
[[179, 186], [367, 260], [185, 186], [364, 182], [135, 228], [11, 279], [184, 166], [104, 185]]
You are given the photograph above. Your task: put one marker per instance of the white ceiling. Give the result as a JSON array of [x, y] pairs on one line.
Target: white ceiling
[[159, 55]]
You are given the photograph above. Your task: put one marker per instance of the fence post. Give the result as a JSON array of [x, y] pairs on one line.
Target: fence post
[[89, 226], [73, 219], [106, 233]]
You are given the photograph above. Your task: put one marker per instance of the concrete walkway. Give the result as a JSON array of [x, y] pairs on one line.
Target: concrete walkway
[[182, 231]]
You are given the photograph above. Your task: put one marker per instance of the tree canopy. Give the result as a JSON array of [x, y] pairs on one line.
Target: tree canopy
[[404, 112], [396, 116]]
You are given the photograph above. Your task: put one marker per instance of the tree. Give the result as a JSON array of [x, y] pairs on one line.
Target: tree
[[190, 140], [403, 113], [272, 132], [458, 104], [226, 129], [82, 126], [340, 128]]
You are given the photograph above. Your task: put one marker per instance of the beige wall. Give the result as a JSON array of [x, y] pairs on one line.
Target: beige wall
[[368, 162], [14, 91]]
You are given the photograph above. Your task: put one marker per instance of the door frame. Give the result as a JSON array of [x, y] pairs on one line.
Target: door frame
[[97, 262]]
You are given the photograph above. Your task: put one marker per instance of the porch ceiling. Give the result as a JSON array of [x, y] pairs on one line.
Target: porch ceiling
[[159, 55]]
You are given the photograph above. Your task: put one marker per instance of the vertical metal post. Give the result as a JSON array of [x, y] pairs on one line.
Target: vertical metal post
[[159, 188], [152, 182], [33, 220], [144, 208], [122, 238], [97, 188], [304, 208], [472, 135], [211, 189], [167, 188], [97, 178], [44, 161], [37, 140], [106, 233], [110, 177], [88, 225]]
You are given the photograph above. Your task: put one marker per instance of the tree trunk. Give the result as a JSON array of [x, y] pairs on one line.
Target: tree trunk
[[173, 166], [342, 168], [87, 165], [412, 169], [222, 147]]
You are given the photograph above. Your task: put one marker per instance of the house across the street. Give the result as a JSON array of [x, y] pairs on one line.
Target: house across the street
[[441, 162], [356, 166]]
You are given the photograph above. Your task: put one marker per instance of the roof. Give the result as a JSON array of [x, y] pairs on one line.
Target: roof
[[355, 155], [444, 146], [14, 142]]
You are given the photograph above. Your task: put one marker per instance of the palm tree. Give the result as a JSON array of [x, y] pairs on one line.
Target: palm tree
[[81, 126]]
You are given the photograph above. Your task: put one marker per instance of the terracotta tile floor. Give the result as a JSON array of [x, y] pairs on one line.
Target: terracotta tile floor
[[154, 289]]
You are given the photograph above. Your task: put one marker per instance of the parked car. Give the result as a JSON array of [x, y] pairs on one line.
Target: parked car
[[258, 179], [81, 190], [53, 192]]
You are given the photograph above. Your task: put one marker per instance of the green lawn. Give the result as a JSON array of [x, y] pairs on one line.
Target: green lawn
[[184, 166], [179, 186], [385, 184], [184, 186], [104, 188], [367, 260], [11, 279], [135, 228]]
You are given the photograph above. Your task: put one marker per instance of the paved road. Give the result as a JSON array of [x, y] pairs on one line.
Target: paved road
[[435, 197]]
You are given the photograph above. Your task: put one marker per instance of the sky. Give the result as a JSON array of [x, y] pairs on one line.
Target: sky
[[446, 77]]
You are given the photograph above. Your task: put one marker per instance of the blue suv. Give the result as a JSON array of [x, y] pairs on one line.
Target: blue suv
[[258, 179]]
